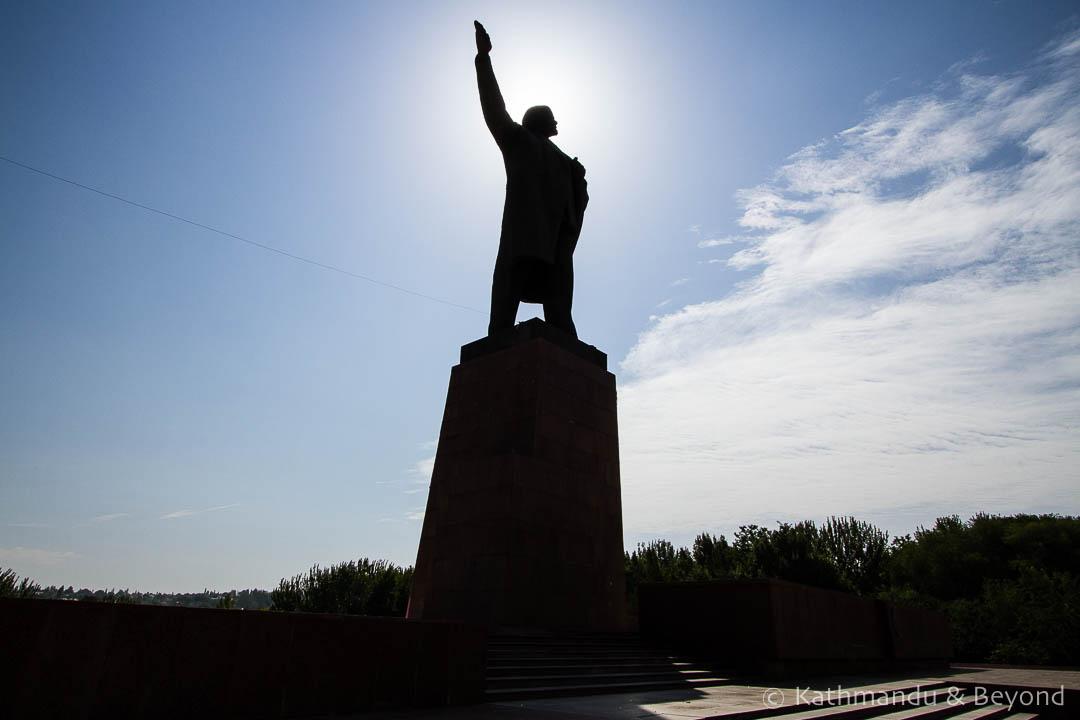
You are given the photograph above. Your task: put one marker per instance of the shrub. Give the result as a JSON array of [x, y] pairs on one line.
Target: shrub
[[365, 587]]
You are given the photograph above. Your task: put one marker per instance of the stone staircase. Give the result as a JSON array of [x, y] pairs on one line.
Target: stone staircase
[[523, 666], [934, 701], [526, 666]]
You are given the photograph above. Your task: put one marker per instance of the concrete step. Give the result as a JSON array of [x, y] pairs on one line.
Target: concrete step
[[569, 661], [963, 708], [598, 689], [941, 704], [571, 639], [546, 646], [565, 650], [855, 711], [587, 639], [530, 681], [916, 702], [642, 665], [987, 712]]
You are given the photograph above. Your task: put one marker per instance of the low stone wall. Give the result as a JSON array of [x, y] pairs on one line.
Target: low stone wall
[[918, 634], [79, 659], [785, 629]]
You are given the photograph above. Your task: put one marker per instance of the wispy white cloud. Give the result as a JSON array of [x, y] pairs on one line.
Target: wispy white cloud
[[1066, 48], [188, 513], [662, 303], [28, 525], [910, 342], [24, 556], [718, 241], [420, 474], [711, 239], [422, 469], [108, 517], [415, 514], [680, 281]]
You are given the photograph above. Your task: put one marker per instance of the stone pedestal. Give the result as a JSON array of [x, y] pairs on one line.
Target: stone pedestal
[[523, 527]]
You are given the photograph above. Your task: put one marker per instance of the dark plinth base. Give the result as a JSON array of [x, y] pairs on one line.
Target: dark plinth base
[[523, 527], [784, 629]]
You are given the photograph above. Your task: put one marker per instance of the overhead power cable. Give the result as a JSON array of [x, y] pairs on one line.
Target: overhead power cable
[[309, 261]]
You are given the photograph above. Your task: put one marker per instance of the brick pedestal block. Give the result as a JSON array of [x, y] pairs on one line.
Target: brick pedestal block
[[523, 527]]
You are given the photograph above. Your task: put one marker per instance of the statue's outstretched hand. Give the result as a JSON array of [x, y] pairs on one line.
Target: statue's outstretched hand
[[483, 40]]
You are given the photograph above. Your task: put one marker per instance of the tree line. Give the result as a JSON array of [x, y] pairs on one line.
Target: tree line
[[1010, 586], [253, 599]]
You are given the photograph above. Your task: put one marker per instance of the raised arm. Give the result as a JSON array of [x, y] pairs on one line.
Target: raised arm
[[491, 99]]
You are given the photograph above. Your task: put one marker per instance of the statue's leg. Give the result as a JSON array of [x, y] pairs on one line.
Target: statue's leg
[[561, 292], [505, 296]]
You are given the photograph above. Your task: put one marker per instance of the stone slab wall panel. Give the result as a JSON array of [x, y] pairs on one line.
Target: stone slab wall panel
[[81, 659]]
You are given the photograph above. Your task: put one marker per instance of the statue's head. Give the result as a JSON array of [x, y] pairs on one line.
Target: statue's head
[[540, 121]]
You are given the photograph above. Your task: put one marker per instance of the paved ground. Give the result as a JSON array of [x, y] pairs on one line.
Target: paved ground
[[718, 701]]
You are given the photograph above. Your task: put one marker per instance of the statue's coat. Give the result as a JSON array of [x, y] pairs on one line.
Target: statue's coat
[[546, 193]]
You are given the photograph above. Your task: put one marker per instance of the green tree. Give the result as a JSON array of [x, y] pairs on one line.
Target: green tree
[[713, 557], [12, 586], [799, 557], [753, 552], [364, 587], [657, 561], [859, 552], [1010, 586]]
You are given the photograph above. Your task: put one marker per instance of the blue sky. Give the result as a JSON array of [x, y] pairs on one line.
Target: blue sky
[[831, 251]]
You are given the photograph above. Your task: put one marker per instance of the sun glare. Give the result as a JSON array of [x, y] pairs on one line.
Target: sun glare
[[583, 67], [579, 84]]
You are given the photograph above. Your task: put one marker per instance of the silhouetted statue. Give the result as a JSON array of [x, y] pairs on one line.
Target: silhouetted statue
[[545, 202]]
